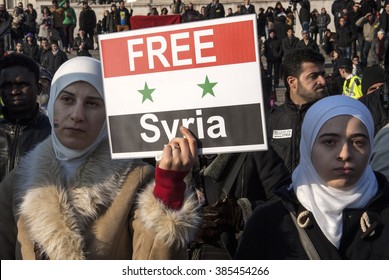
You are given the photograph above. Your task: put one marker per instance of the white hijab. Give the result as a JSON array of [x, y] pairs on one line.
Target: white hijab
[[85, 69], [327, 203]]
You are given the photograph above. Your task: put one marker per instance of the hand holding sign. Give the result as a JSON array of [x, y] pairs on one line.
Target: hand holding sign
[[181, 153]]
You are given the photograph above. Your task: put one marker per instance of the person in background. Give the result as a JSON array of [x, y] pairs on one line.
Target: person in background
[[374, 95], [31, 47], [30, 17], [247, 8], [97, 207], [112, 20], [69, 23], [329, 42], [273, 54], [19, 48], [45, 78], [290, 42], [335, 200], [357, 67], [123, 17], [352, 85], [23, 125], [304, 79], [58, 18], [370, 25], [164, 11], [87, 20], [177, 7], [307, 42], [82, 44], [54, 59], [323, 20], [214, 10], [378, 49]]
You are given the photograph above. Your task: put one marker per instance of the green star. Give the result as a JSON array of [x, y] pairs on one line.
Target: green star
[[146, 92], [207, 87]]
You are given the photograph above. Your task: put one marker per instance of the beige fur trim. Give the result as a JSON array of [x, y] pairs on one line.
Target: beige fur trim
[[172, 227], [56, 228]]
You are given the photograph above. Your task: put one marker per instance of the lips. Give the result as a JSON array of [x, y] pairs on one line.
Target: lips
[[75, 129], [344, 170]]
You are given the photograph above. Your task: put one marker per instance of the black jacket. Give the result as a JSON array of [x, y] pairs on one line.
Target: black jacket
[[375, 103], [19, 137], [86, 43], [284, 130], [271, 234]]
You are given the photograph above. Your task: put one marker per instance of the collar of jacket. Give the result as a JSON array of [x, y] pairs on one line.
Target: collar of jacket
[[291, 105]]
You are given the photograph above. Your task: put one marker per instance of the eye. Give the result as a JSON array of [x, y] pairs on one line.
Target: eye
[[360, 142], [66, 99], [328, 141]]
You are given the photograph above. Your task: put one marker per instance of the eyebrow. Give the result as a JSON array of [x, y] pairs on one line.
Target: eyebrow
[[73, 94], [337, 135]]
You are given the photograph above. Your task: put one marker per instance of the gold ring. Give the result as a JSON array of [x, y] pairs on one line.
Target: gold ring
[[175, 147]]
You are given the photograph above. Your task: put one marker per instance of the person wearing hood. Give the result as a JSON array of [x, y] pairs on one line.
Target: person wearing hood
[[68, 200], [336, 203]]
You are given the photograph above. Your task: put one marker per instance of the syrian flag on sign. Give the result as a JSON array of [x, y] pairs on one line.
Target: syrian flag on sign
[[203, 75]]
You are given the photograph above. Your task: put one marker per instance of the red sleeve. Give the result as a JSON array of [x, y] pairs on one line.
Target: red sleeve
[[170, 187]]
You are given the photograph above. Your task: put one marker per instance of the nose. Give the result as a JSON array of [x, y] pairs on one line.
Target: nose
[[78, 113], [344, 153], [321, 80]]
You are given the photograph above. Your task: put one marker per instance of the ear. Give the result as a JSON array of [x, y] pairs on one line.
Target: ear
[[39, 88], [292, 82]]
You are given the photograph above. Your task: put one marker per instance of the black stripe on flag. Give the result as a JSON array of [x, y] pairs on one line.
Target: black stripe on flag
[[214, 127]]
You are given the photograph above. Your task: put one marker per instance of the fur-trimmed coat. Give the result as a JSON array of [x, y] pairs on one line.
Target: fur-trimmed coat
[[108, 211]]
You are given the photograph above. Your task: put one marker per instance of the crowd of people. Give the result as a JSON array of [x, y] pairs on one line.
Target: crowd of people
[[322, 181]]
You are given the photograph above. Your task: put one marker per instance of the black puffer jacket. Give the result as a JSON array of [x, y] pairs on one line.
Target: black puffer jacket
[[271, 234], [19, 137]]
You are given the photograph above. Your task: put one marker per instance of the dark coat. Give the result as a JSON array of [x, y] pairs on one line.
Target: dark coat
[[375, 103], [87, 20], [86, 43], [214, 11], [271, 234], [273, 50], [289, 44], [311, 45], [16, 139], [53, 61], [287, 117]]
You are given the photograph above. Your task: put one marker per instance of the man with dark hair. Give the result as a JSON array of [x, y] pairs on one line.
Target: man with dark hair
[[53, 59], [304, 79], [87, 20], [23, 125]]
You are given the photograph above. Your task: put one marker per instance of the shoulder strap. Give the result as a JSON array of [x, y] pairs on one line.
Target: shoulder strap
[[229, 181], [304, 238]]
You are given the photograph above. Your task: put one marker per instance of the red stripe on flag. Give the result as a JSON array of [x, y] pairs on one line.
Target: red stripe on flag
[[175, 50]]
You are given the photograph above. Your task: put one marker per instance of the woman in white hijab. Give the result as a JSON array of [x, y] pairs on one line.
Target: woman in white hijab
[[336, 206], [69, 200]]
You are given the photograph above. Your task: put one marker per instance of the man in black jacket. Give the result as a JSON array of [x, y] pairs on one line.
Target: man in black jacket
[[304, 80], [23, 125]]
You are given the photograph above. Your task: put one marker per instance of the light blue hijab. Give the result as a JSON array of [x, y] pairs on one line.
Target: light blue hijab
[[325, 202]]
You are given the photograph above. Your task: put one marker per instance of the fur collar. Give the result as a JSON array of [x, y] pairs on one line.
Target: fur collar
[[58, 213]]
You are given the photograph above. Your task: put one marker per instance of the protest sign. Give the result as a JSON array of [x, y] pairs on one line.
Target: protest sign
[[203, 75]]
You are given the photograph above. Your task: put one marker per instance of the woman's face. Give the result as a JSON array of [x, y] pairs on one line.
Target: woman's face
[[79, 114], [341, 151]]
